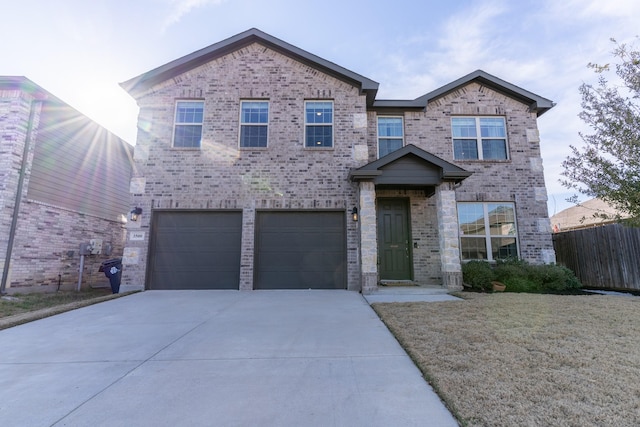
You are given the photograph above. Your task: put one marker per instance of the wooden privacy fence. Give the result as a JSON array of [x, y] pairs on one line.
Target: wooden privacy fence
[[601, 257]]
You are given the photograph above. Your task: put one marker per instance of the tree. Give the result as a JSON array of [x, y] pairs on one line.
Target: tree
[[608, 165]]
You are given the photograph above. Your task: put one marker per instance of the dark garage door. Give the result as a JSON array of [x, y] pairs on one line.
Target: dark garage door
[[300, 250], [195, 250]]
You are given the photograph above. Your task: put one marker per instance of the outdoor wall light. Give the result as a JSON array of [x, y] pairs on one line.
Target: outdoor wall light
[[354, 214], [135, 214]]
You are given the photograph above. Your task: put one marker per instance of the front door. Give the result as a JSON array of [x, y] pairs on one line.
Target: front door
[[393, 239]]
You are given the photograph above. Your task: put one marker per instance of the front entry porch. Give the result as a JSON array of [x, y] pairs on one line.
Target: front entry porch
[[408, 227]]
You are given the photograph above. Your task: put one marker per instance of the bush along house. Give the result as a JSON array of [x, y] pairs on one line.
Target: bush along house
[[262, 166]]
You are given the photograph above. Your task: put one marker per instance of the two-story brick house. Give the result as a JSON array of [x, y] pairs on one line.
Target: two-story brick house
[[262, 166]]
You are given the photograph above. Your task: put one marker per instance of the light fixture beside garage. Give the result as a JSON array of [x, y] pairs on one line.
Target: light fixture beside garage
[[354, 214], [135, 214]]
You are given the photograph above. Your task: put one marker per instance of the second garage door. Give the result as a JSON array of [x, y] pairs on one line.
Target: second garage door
[[300, 250], [195, 250]]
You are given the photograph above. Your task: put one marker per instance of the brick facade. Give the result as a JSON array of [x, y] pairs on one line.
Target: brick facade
[[288, 176]]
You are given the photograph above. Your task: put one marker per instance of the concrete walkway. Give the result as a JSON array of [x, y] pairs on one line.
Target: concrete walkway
[[410, 294], [214, 358]]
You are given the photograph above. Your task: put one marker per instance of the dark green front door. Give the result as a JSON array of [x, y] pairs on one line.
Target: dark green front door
[[394, 239]]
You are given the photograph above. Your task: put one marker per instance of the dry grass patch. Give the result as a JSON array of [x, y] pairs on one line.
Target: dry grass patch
[[526, 359], [22, 308]]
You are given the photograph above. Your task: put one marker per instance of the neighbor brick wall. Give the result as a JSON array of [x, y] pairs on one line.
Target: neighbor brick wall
[[14, 116], [47, 245], [45, 234], [286, 175]]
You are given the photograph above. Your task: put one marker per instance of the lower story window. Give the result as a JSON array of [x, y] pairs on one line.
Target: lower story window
[[487, 231]]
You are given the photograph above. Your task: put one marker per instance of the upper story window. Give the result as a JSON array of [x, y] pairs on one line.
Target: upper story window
[[487, 231], [479, 138], [390, 135], [318, 120], [188, 124], [254, 119]]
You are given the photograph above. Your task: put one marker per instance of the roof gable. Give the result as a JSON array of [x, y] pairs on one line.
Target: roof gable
[[409, 166], [535, 102], [141, 83]]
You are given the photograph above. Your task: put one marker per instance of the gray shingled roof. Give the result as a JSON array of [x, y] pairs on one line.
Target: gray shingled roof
[[449, 171], [142, 82], [536, 103]]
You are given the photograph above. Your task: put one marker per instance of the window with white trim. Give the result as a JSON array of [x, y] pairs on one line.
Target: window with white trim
[[187, 131], [479, 138], [318, 121], [254, 120], [390, 135], [487, 231]]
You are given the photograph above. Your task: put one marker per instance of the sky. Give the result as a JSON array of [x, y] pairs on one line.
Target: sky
[[80, 50]]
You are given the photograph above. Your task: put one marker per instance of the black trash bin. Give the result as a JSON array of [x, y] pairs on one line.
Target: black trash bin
[[112, 268]]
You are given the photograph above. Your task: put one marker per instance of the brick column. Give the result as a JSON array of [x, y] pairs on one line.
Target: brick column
[[247, 250], [368, 237], [449, 236]]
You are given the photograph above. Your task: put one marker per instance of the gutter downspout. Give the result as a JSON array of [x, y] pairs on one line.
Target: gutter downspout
[[16, 206]]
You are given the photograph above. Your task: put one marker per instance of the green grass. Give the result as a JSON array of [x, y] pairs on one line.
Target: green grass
[[12, 305]]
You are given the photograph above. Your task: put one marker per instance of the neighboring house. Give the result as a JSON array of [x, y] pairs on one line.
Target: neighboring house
[[255, 157], [592, 213], [64, 180]]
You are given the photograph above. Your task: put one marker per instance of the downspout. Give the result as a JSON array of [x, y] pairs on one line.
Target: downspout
[[16, 206]]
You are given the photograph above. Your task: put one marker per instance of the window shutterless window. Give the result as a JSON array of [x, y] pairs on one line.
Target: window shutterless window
[[254, 119], [479, 138], [390, 135], [318, 120], [188, 124], [487, 231]]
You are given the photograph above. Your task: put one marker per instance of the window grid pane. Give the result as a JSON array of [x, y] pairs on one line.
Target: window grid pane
[[387, 146], [188, 124], [471, 218], [319, 136], [494, 149], [188, 136], [253, 136], [492, 128], [473, 248], [502, 248], [487, 225], [464, 149], [319, 124], [501, 219], [491, 145], [390, 126], [463, 127], [319, 112], [255, 112], [189, 112], [254, 117]]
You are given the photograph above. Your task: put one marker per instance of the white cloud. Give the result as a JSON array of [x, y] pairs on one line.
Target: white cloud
[[180, 8]]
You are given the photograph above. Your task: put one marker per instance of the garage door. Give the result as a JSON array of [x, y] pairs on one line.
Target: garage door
[[195, 250], [300, 250]]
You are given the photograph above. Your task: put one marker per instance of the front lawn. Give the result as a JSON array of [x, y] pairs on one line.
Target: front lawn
[[22, 308], [527, 359]]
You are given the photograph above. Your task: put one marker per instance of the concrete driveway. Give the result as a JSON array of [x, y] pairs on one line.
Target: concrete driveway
[[214, 358]]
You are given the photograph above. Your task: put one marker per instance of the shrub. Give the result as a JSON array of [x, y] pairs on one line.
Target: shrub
[[478, 275], [520, 276], [556, 278]]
